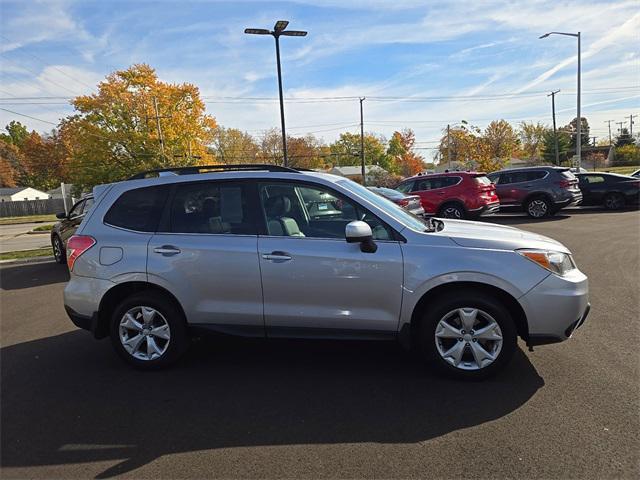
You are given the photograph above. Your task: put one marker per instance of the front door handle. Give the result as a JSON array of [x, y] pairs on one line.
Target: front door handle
[[277, 256], [167, 250]]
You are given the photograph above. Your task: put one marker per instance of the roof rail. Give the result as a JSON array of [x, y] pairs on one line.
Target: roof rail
[[194, 169]]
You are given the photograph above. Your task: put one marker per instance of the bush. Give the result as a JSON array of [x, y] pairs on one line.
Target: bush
[[627, 155]]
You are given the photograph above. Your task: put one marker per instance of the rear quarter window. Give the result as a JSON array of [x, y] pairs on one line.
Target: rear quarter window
[[139, 209]]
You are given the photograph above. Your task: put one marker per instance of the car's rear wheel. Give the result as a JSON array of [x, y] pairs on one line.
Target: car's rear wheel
[[59, 252], [149, 331], [467, 335], [613, 201], [452, 210], [538, 207]]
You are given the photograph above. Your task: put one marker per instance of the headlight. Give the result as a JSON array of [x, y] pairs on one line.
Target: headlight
[[556, 262]]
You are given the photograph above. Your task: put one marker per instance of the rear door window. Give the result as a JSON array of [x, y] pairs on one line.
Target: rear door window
[[139, 209], [535, 175], [212, 208]]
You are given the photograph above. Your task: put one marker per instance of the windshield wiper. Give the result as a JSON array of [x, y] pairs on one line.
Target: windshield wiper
[[434, 225]]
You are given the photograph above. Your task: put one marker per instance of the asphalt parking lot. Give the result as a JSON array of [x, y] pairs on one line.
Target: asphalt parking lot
[[70, 408]]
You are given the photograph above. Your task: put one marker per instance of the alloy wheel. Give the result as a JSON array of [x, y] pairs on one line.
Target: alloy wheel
[[468, 338], [537, 208], [57, 250], [452, 212], [144, 333], [613, 202]]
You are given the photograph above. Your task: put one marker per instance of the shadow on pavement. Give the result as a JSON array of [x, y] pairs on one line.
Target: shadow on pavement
[[68, 399], [32, 275]]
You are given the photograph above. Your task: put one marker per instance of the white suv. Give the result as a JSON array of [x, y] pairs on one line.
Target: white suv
[[268, 251]]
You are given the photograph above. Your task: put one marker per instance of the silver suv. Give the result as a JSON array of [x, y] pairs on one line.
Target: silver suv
[[265, 251]]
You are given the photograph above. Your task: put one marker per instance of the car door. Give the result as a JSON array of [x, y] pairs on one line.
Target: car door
[[430, 200], [509, 188], [314, 282], [595, 187], [205, 252], [69, 225]]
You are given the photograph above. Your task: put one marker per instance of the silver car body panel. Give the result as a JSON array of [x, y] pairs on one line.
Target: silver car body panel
[[326, 283]]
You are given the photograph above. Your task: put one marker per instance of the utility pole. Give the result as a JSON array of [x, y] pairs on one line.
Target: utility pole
[[620, 128], [160, 137], [631, 117], [364, 180], [449, 146], [609, 123], [555, 134]]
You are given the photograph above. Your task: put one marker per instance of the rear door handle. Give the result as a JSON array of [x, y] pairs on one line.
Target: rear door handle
[[277, 256], [167, 250]]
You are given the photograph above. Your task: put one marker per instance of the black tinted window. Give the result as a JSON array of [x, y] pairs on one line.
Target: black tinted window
[[522, 176], [213, 208], [139, 209], [536, 175]]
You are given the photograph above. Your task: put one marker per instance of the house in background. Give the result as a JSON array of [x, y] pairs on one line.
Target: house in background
[[20, 194], [57, 192], [354, 172]]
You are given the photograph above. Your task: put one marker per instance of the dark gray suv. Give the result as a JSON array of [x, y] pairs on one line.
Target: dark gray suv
[[539, 191]]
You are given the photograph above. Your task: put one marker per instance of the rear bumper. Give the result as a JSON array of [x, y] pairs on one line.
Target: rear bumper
[[86, 322], [572, 200], [486, 209], [556, 307]]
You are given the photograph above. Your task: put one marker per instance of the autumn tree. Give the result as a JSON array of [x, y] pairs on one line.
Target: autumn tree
[[470, 148], [231, 145], [44, 161], [532, 139], [116, 132], [404, 159], [306, 152], [453, 146], [9, 159], [270, 151], [501, 139]]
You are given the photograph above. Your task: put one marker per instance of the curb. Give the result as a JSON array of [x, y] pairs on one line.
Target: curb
[[42, 232], [25, 261]]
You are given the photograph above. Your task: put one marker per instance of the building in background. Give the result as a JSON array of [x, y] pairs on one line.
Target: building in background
[[20, 194]]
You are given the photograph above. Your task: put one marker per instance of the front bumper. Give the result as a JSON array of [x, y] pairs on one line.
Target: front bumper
[[556, 307]]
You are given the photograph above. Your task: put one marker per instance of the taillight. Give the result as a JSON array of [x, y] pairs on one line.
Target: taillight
[[566, 183], [404, 202], [76, 246]]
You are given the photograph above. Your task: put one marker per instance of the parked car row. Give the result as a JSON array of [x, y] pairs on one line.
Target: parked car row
[[538, 191]]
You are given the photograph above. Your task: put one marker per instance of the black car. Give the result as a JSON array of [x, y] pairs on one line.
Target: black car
[[67, 226], [611, 190]]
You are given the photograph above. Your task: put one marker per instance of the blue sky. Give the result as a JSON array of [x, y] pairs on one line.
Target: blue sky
[[403, 48]]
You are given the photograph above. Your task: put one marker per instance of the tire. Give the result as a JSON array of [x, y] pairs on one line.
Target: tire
[[435, 341], [452, 210], [538, 207], [59, 253], [614, 201], [156, 341]]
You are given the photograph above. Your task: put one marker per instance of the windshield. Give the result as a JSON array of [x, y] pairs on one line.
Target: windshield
[[400, 214]]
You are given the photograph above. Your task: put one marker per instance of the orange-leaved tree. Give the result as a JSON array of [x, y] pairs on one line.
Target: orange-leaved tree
[[136, 122]]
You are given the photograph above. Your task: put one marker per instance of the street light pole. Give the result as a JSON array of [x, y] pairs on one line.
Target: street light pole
[[579, 116], [364, 180], [279, 30]]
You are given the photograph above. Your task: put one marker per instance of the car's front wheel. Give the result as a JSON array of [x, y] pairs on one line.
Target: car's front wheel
[[467, 335], [59, 252], [149, 331]]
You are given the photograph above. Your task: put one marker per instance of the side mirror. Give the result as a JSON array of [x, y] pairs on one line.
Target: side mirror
[[61, 215], [360, 232]]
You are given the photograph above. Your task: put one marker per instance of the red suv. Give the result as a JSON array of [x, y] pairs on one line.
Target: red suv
[[453, 194]]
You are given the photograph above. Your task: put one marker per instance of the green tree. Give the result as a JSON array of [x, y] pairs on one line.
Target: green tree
[[548, 146], [346, 150], [624, 138], [16, 133], [571, 129], [627, 155]]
